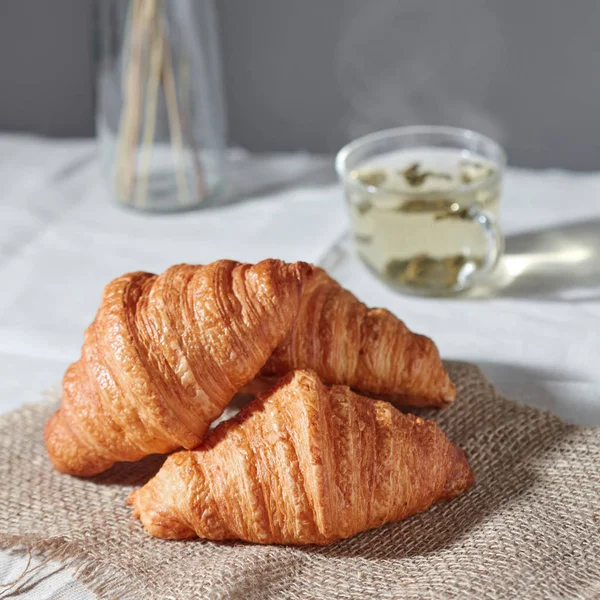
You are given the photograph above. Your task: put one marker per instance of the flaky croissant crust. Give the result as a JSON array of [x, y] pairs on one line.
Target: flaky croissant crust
[[165, 355], [370, 350], [303, 464]]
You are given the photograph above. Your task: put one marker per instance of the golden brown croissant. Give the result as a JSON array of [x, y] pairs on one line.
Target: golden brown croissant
[[165, 355], [303, 464], [370, 350]]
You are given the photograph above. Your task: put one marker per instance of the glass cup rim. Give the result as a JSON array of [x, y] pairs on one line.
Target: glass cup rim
[[399, 132]]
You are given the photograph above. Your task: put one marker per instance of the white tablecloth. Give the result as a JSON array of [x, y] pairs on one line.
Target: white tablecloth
[[535, 329]]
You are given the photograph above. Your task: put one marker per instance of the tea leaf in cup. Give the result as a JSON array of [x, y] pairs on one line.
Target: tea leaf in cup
[[375, 177], [415, 177]]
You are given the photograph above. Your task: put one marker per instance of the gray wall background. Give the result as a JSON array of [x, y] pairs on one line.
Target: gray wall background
[[313, 74]]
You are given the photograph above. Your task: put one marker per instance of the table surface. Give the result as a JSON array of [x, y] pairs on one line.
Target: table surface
[[534, 329]]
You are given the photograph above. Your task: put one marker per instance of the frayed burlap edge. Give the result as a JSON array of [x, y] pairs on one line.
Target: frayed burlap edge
[[99, 576]]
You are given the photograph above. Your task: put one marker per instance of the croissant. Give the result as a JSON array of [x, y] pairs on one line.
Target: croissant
[[303, 464], [165, 355], [370, 350]]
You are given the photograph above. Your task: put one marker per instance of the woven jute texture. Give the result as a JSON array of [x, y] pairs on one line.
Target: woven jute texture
[[529, 528]]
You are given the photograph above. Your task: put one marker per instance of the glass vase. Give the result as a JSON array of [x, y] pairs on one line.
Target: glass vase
[[160, 113]]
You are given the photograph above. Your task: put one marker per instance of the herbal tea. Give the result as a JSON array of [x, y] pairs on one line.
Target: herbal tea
[[413, 223]]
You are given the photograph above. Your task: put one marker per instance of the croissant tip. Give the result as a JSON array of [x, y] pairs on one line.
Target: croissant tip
[[132, 501], [450, 394], [460, 476]]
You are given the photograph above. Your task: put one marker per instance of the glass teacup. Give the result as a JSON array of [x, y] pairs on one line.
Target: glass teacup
[[423, 205]]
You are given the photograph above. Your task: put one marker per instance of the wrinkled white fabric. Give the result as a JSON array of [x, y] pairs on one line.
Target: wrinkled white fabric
[[535, 329]]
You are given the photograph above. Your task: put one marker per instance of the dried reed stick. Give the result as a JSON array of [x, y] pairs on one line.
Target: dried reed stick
[[185, 88], [175, 123], [129, 125], [152, 89]]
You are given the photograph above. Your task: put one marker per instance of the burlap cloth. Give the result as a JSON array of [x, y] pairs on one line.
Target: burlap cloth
[[530, 527]]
